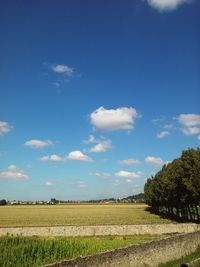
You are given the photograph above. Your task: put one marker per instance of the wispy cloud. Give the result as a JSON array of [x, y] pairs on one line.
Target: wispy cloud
[[190, 123], [35, 143], [102, 175], [154, 161], [50, 183], [129, 162], [13, 173], [5, 127], [161, 123], [129, 175], [53, 157], [81, 184], [113, 119], [166, 5], [163, 134], [91, 139], [102, 146]]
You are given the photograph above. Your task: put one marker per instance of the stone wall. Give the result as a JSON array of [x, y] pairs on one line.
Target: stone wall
[[99, 230], [144, 255]]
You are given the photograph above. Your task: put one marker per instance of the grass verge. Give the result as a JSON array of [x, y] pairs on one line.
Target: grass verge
[[186, 259], [36, 251]]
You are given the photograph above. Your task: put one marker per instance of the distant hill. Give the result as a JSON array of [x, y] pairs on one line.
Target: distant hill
[[139, 198]]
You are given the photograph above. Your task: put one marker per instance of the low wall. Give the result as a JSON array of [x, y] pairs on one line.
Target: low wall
[[99, 230], [144, 255]]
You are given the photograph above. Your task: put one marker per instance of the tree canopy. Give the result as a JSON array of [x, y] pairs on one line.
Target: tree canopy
[[175, 189]]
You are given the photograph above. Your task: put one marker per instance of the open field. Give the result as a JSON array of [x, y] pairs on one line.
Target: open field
[[36, 251], [46, 215]]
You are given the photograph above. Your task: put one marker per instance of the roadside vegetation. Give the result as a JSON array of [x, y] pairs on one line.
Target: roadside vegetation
[[36, 251], [186, 259], [175, 190], [95, 214]]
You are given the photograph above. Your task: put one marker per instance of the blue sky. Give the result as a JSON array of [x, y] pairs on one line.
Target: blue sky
[[95, 95]]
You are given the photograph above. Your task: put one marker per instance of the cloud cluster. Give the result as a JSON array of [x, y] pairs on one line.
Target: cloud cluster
[[4, 127], [166, 5], [129, 162], [113, 119], [34, 143], [12, 173], [73, 155], [190, 123], [154, 161]]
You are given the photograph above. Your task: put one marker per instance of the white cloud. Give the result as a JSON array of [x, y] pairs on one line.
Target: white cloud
[[129, 175], [189, 120], [78, 155], [4, 127], [50, 183], [166, 5], [154, 161], [68, 71], [129, 162], [53, 157], [191, 130], [38, 143], [12, 173], [198, 137], [102, 175], [102, 146], [163, 134], [190, 123], [113, 119]]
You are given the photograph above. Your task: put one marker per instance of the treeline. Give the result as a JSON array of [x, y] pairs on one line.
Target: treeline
[[175, 189]]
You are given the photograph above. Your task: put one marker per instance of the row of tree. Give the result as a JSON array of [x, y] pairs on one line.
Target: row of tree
[[175, 189]]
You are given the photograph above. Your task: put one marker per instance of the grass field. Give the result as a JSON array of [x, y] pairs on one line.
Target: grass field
[[46, 215], [36, 251]]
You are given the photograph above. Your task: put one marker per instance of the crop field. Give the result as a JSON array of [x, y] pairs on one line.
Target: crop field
[[49, 215], [36, 251]]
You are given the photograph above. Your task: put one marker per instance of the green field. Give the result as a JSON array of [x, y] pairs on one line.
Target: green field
[[36, 251], [47, 215]]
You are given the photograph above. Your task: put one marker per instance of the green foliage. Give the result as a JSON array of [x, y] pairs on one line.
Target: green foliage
[[175, 190], [36, 251], [3, 202]]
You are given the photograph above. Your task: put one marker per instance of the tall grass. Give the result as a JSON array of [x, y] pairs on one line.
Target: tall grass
[[35, 251]]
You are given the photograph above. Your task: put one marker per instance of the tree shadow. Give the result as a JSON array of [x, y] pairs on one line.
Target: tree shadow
[[172, 217]]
